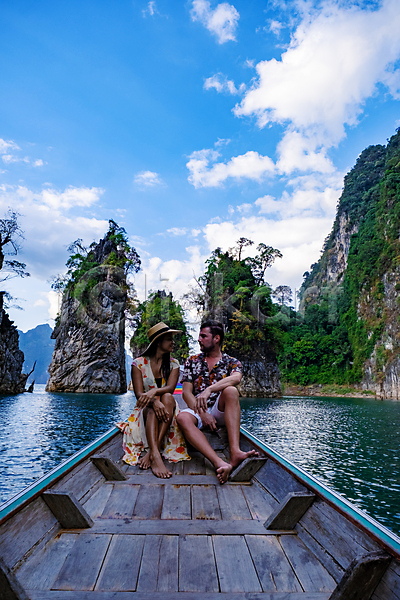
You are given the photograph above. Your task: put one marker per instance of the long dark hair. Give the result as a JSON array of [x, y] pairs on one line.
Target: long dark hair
[[166, 358]]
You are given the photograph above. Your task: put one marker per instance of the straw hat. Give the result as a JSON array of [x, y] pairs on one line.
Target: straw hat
[[157, 331]]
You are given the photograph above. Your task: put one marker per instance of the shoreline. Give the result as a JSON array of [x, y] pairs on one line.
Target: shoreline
[[328, 390]]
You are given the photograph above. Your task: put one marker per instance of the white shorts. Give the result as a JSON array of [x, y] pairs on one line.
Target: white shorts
[[213, 410]]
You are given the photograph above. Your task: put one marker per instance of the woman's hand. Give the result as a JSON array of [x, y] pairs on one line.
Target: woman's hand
[[146, 398], [160, 411]]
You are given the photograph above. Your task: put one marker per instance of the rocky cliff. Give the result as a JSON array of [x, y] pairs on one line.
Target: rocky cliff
[[89, 354], [361, 259], [261, 377], [12, 380]]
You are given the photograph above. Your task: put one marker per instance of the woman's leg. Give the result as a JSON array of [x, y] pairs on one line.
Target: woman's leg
[[155, 432]]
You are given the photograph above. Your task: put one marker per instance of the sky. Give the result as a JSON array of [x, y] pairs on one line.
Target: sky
[[190, 123]]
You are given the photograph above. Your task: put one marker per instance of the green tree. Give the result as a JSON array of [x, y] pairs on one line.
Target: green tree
[[160, 307]]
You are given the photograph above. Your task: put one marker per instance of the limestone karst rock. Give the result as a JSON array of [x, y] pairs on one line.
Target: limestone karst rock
[[12, 380], [89, 353]]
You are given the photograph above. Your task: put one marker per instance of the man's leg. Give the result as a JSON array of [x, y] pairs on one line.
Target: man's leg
[[188, 425], [228, 403]]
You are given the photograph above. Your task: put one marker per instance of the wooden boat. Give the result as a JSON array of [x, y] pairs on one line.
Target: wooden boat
[[96, 528]]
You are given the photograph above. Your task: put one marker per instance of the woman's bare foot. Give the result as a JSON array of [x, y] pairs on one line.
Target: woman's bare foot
[[159, 469], [223, 471], [237, 457], [145, 461]]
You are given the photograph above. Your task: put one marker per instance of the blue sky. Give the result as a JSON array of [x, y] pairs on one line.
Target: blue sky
[[190, 123]]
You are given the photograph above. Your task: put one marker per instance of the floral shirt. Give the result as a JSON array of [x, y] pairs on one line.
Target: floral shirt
[[196, 372]]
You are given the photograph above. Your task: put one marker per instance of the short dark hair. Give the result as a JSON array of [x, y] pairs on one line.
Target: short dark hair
[[216, 328]]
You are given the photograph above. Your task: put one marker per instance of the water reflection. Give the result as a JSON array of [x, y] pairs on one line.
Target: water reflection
[[351, 444]]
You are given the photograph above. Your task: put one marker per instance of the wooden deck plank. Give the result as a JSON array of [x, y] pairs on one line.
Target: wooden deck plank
[[119, 572], [168, 564], [195, 466], [177, 504], [235, 567], [232, 503], [95, 505], [311, 573], [180, 527], [121, 502], [272, 566], [260, 502], [205, 502], [147, 477], [41, 569], [149, 502], [176, 468], [54, 595], [148, 574], [197, 569], [82, 565]]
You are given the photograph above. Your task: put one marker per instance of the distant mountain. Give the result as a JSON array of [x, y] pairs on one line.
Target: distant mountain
[[36, 344]]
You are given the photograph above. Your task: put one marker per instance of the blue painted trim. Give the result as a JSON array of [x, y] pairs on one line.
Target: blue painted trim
[[380, 532], [40, 484]]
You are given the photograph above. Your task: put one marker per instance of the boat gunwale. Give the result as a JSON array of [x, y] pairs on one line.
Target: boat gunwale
[[381, 534], [34, 490]]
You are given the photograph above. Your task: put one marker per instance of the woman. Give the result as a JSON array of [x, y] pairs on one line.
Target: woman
[[154, 379]]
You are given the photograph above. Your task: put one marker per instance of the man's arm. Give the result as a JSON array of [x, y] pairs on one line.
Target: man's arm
[[218, 386], [187, 395]]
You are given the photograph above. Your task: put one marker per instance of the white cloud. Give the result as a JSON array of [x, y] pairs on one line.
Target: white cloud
[[5, 146], [275, 27], [244, 208], [222, 21], [71, 197], [297, 151], [338, 55], [48, 225], [172, 275], [221, 83], [38, 163], [251, 165], [11, 158], [151, 9], [177, 231], [147, 179]]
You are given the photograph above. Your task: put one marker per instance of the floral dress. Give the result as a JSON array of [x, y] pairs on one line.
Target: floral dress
[[134, 430]]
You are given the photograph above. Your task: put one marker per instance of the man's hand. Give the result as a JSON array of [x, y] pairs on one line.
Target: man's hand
[[201, 400], [160, 411], [146, 398], [208, 420]]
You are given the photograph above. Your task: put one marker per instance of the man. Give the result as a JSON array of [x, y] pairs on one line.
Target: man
[[209, 389]]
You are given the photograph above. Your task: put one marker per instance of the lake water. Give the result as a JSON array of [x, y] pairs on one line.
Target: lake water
[[350, 444]]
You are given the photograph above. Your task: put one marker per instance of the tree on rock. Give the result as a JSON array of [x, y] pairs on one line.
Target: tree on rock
[[12, 380], [89, 353], [160, 307]]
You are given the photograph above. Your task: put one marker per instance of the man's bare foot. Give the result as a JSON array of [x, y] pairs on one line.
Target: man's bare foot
[[145, 461], [223, 471], [238, 457], [159, 469]]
